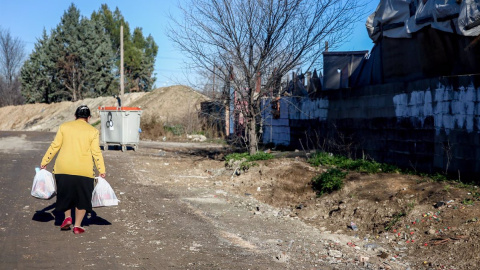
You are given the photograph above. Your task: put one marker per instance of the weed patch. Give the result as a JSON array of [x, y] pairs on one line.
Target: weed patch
[[152, 128], [359, 165], [176, 130], [395, 219], [468, 201], [329, 181], [244, 160]]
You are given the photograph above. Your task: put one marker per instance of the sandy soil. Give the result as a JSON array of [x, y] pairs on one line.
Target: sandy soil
[[404, 221], [171, 103], [399, 217]]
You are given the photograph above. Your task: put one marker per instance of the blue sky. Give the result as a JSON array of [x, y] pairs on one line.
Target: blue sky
[[26, 20]]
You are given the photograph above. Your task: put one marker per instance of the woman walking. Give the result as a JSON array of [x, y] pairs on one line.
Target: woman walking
[[78, 147]]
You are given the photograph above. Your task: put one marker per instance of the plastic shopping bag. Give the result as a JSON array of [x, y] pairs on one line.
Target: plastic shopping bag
[[43, 185], [103, 194]]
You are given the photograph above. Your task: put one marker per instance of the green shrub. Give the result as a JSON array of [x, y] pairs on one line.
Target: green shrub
[[247, 159], [235, 156], [260, 156], [324, 158], [329, 181], [359, 165], [439, 177]]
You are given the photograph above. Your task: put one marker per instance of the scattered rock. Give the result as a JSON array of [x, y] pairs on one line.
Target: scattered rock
[[364, 259], [335, 253], [383, 255], [282, 257], [197, 138]]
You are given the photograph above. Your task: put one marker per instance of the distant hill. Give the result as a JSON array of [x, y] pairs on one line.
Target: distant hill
[[168, 103]]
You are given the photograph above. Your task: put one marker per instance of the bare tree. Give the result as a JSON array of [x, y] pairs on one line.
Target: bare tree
[[253, 42], [12, 54]]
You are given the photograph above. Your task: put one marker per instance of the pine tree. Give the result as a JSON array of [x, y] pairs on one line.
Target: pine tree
[[38, 73], [81, 58], [73, 63], [139, 53], [98, 58]]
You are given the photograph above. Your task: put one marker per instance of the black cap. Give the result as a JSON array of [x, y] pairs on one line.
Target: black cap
[[82, 112]]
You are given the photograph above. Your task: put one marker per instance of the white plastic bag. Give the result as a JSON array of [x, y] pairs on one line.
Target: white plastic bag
[[103, 194], [43, 185]]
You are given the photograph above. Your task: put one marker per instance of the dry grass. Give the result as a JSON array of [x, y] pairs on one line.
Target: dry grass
[[152, 128]]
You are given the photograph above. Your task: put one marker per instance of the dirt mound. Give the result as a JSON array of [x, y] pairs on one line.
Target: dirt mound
[[172, 102], [407, 218]]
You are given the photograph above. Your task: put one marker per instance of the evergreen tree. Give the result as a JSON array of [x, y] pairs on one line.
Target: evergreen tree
[[39, 82], [139, 52], [84, 55], [81, 58], [73, 63]]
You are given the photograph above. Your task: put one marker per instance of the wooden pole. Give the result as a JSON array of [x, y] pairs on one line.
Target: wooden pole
[[122, 87]]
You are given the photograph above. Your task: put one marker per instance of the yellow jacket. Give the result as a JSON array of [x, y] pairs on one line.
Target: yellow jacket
[[79, 147]]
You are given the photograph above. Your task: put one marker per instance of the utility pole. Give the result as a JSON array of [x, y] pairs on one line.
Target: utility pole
[[122, 88]]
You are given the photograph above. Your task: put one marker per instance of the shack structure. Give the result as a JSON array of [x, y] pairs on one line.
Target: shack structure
[[413, 101]]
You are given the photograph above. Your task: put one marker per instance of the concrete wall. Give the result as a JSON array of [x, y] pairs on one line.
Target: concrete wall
[[427, 125]]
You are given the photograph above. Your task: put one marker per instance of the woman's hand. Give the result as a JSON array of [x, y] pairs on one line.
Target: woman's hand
[[102, 175], [43, 167]]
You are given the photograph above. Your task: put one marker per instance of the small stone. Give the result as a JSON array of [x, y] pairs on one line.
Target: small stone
[[282, 257], [383, 255], [364, 259], [335, 253]]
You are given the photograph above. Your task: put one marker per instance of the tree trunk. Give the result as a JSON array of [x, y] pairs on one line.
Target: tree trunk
[[252, 136]]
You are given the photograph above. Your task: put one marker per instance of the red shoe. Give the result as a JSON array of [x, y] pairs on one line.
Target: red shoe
[[66, 224], [78, 230]]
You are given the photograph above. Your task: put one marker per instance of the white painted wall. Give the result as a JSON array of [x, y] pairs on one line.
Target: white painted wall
[[277, 131], [450, 108]]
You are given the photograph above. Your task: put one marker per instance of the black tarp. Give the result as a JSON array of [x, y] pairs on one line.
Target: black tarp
[[428, 53]]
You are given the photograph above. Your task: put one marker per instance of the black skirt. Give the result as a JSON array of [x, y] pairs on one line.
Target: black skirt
[[74, 191]]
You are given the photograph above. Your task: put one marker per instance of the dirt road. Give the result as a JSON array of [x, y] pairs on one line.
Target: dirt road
[[160, 223]]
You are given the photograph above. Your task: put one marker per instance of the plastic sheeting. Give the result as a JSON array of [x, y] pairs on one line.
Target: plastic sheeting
[[389, 20], [469, 18], [401, 18], [429, 53]]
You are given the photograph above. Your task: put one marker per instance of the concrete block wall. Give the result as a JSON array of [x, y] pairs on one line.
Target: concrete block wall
[[276, 131], [426, 125]]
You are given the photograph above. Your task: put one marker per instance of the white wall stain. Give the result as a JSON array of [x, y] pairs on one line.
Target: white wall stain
[[307, 109], [450, 108]]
